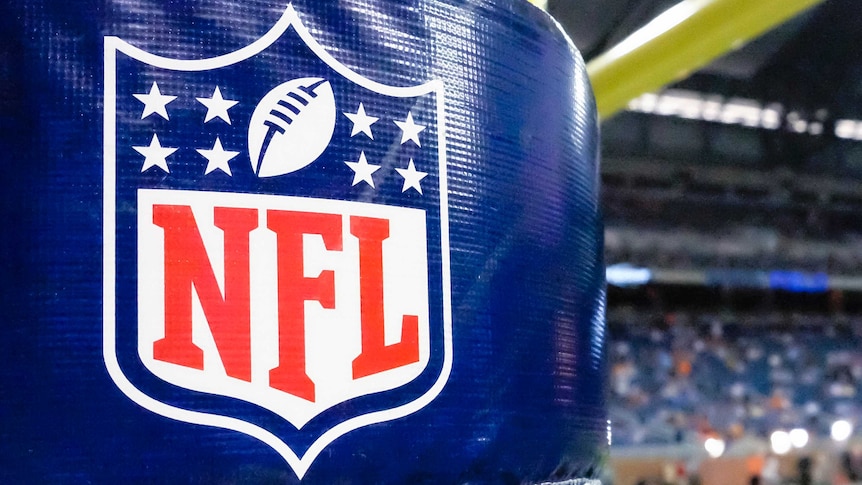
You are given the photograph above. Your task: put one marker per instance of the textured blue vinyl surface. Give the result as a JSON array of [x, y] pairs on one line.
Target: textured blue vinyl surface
[[525, 400]]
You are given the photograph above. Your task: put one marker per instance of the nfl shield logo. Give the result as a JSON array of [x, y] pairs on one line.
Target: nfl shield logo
[[276, 254]]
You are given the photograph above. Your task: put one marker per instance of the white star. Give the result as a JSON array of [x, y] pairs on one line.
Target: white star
[[412, 177], [217, 106], [362, 170], [155, 102], [155, 155], [410, 130], [361, 122], [217, 158]]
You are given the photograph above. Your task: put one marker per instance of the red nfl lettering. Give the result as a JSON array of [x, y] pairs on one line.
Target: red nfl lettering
[[295, 304], [376, 356], [187, 265], [294, 290], [188, 269]]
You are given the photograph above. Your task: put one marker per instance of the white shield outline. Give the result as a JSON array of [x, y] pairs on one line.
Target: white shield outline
[[299, 464]]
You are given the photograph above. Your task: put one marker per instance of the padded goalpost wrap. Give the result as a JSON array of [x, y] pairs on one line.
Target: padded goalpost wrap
[[308, 242]]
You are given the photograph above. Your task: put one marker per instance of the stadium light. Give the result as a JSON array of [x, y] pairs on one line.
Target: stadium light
[[624, 274], [714, 447], [780, 441], [798, 437], [841, 430]]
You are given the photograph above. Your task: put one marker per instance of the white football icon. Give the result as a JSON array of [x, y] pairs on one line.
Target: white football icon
[[291, 126]]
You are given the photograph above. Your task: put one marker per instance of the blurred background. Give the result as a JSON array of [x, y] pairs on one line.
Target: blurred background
[[733, 240]]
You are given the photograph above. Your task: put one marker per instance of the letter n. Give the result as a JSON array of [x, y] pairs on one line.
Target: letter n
[[188, 266]]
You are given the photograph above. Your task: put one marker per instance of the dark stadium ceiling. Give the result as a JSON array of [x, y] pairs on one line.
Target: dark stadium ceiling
[[810, 63]]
